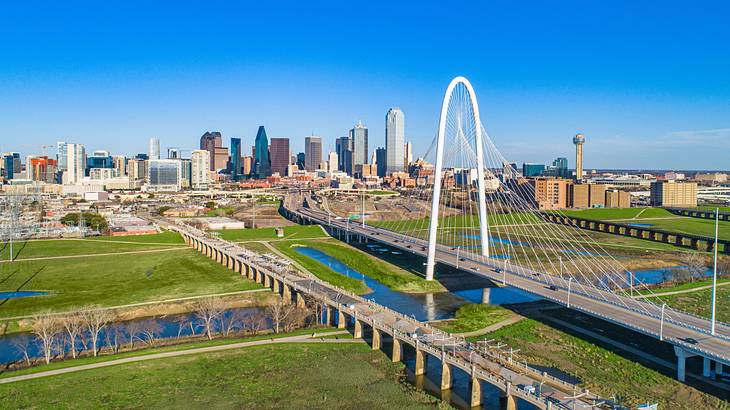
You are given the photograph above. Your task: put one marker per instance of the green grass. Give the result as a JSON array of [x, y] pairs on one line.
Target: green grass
[[659, 218], [162, 237], [472, 317], [115, 280], [683, 286], [290, 232], [81, 361], [90, 246], [390, 275], [700, 302], [320, 270], [296, 376], [256, 247], [601, 370], [618, 213]]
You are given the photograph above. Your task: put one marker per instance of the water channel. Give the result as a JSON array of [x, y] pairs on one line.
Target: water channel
[[422, 306]]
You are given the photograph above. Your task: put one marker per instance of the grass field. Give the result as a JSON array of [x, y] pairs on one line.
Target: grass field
[[388, 274], [338, 376], [472, 317], [64, 247], [184, 345], [290, 232], [700, 302], [656, 217], [114, 280], [601, 370]]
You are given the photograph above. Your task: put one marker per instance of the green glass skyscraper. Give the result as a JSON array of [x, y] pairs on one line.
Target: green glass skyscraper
[[262, 164]]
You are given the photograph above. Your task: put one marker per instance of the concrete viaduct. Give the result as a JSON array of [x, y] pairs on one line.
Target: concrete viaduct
[[483, 363], [697, 242], [699, 213]]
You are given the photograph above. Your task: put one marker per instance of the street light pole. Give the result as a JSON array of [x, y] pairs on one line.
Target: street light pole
[[714, 273], [570, 280], [661, 323], [457, 256]]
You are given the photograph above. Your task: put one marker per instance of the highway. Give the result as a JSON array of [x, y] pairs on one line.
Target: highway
[[680, 329]]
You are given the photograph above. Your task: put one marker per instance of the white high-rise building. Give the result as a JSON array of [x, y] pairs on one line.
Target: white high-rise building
[[200, 169], [359, 137], [75, 163], [409, 154], [394, 140], [332, 161], [154, 152]]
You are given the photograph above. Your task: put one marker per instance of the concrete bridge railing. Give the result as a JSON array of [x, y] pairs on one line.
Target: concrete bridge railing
[[284, 280]]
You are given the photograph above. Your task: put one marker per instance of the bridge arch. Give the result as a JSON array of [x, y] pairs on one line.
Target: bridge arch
[[436, 197]]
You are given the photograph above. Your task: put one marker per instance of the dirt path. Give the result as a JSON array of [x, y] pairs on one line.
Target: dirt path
[[95, 254], [677, 292], [155, 356]]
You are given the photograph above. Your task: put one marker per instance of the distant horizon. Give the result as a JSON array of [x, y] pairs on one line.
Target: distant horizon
[[645, 94]]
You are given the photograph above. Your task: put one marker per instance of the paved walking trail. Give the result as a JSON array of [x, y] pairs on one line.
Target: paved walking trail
[[316, 338], [491, 328], [677, 292]]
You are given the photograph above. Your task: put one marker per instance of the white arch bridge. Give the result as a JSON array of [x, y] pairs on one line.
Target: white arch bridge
[[505, 216]]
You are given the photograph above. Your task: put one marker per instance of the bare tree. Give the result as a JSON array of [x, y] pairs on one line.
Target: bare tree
[[230, 321], [22, 345], [133, 329], [207, 310], [279, 312], [149, 329], [253, 322], [182, 322], [113, 333], [723, 267], [73, 324], [296, 319], [695, 263], [95, 320], [46, 327]]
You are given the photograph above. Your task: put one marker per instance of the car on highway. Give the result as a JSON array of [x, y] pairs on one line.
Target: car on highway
[[476, 268], [690, 340], [553, 287], [498, 270]]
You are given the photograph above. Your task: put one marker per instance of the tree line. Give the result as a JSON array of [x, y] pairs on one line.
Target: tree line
[[93, 331]]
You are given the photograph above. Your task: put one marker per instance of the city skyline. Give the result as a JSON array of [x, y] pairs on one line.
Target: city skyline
[[649, 86]]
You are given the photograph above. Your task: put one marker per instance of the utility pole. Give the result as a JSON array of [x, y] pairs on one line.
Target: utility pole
[[714, 272], [661, 323]]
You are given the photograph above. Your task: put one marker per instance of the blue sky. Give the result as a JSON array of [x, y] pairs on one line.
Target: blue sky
[[648, 84]]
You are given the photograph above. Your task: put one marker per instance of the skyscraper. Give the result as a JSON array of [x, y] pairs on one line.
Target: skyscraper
[[342, 145], [164, 174], [235, 159], [280, 155], [312, 153], [261, 164], [213, 143], [61, 155], [394, 140], [200, 168], [359, 136], [154, 151], [381, 159], [120, 165], [332, 163], [579, 140], [300, 160], [75, 163], [408, 154]]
